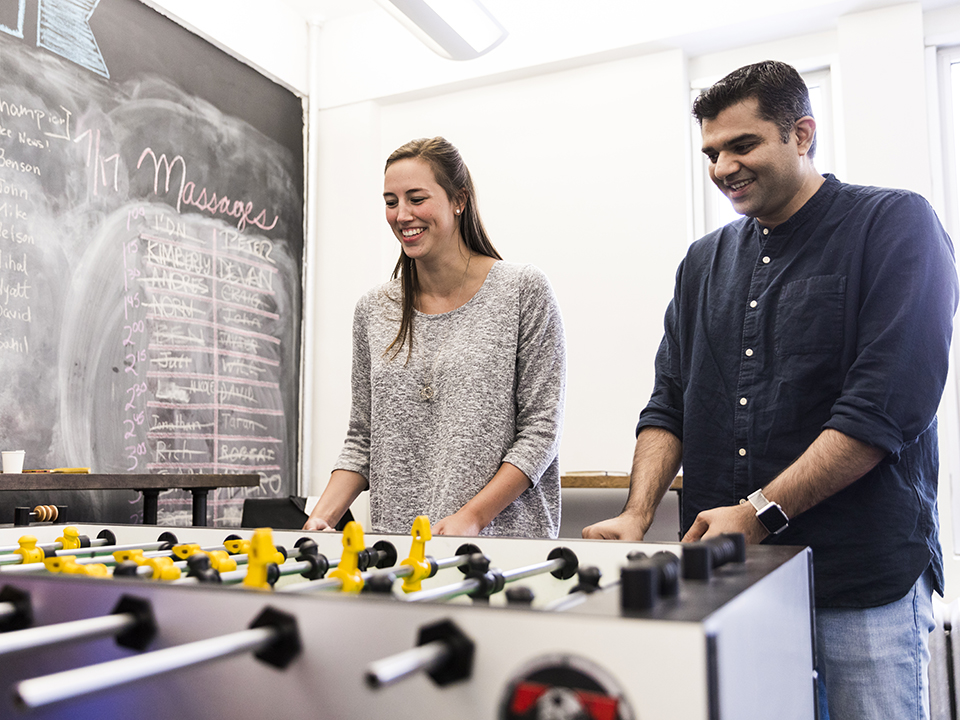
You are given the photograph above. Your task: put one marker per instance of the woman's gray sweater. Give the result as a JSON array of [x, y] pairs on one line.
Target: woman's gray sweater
[[497, 365]]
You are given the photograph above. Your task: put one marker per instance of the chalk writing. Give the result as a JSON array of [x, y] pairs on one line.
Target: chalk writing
[[11, 344], [247, 299], [176, 255], [98, 162], [17, 291], [208, 298], [13, 234], [12, 190], [178, 425], [210, 202], [135, 354], [17, 109], [16, 287], [17, 165], [256, 247], [163, 279], [14, 263]]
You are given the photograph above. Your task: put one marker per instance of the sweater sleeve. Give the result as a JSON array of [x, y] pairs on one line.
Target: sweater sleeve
[[355, 454], [541, 377]]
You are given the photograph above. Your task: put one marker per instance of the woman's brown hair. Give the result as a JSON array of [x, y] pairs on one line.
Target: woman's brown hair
[[452, 175]]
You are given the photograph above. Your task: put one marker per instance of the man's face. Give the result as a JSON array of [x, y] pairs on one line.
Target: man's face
[[760, 174]]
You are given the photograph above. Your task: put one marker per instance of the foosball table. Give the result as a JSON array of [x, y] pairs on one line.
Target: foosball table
[[161, 623]]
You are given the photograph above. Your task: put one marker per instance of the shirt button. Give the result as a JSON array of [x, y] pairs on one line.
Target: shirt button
[[766, 231], [766, 260], [743, 401], [753, 303], [749, 352], [742, 452]]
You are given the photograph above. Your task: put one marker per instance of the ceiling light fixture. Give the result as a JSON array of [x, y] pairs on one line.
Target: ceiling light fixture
[[454, 29]]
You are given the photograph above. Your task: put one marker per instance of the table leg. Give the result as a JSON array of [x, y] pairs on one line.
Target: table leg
[[150, 506], [199, 506]]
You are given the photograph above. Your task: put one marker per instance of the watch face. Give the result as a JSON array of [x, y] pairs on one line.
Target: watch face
[[773, 518]]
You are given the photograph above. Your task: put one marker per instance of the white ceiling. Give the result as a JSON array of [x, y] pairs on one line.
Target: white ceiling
[[330, 9], [724, 23]]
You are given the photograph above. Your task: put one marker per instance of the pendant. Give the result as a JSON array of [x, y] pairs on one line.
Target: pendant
[[427, 393]]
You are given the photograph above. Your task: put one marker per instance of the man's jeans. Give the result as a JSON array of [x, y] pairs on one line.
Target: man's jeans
[[872, 662]]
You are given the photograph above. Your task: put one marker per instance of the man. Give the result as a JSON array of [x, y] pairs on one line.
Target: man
[[804, 356]]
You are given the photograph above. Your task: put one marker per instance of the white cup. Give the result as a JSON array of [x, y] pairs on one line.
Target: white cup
[[12, 461]]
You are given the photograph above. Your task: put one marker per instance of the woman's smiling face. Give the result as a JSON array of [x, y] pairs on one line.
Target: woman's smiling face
[[418, 210]]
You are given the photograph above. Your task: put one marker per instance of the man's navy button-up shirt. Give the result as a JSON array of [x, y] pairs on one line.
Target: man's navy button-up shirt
[[839, 318]]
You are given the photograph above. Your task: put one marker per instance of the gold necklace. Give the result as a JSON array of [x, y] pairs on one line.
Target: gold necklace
[[427, 390]]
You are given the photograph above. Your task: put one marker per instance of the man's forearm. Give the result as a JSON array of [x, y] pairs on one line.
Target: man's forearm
[[831, 463], [656, 460]]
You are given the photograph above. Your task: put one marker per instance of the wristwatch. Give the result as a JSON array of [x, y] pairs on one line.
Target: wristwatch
[[770, 515]]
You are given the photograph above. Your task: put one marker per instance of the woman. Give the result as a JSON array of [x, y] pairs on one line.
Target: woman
[[458, 372]]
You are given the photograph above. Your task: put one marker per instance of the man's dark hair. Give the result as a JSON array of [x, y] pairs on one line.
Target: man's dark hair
[[781, 94]]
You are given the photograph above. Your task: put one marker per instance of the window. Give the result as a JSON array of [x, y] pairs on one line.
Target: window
[[946, 161], [949, 73], [712, 209]]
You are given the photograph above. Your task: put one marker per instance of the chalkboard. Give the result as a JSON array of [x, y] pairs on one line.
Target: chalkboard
[[151, 246]]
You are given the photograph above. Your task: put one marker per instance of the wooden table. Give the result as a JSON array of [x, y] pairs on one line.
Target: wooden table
[[150, 485], [594, 479], [604, 479]]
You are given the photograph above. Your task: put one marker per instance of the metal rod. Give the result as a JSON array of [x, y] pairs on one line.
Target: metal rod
[[46, 635], [469, 585], [566, 602], [455, 561], [312, 585], [101, 551], [48, 689], [23, 568], [292, 567], [112, 562], [169, 553], [576, 598], [336, 583], [97, 548], [396, 667], [446, 592], [289, 567], [231, 577], [5, 549], [399, 571], [531, 570], [104, 550]]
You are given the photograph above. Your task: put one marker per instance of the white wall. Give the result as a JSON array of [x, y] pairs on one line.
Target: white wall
[[881, 80], [271, 37]]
